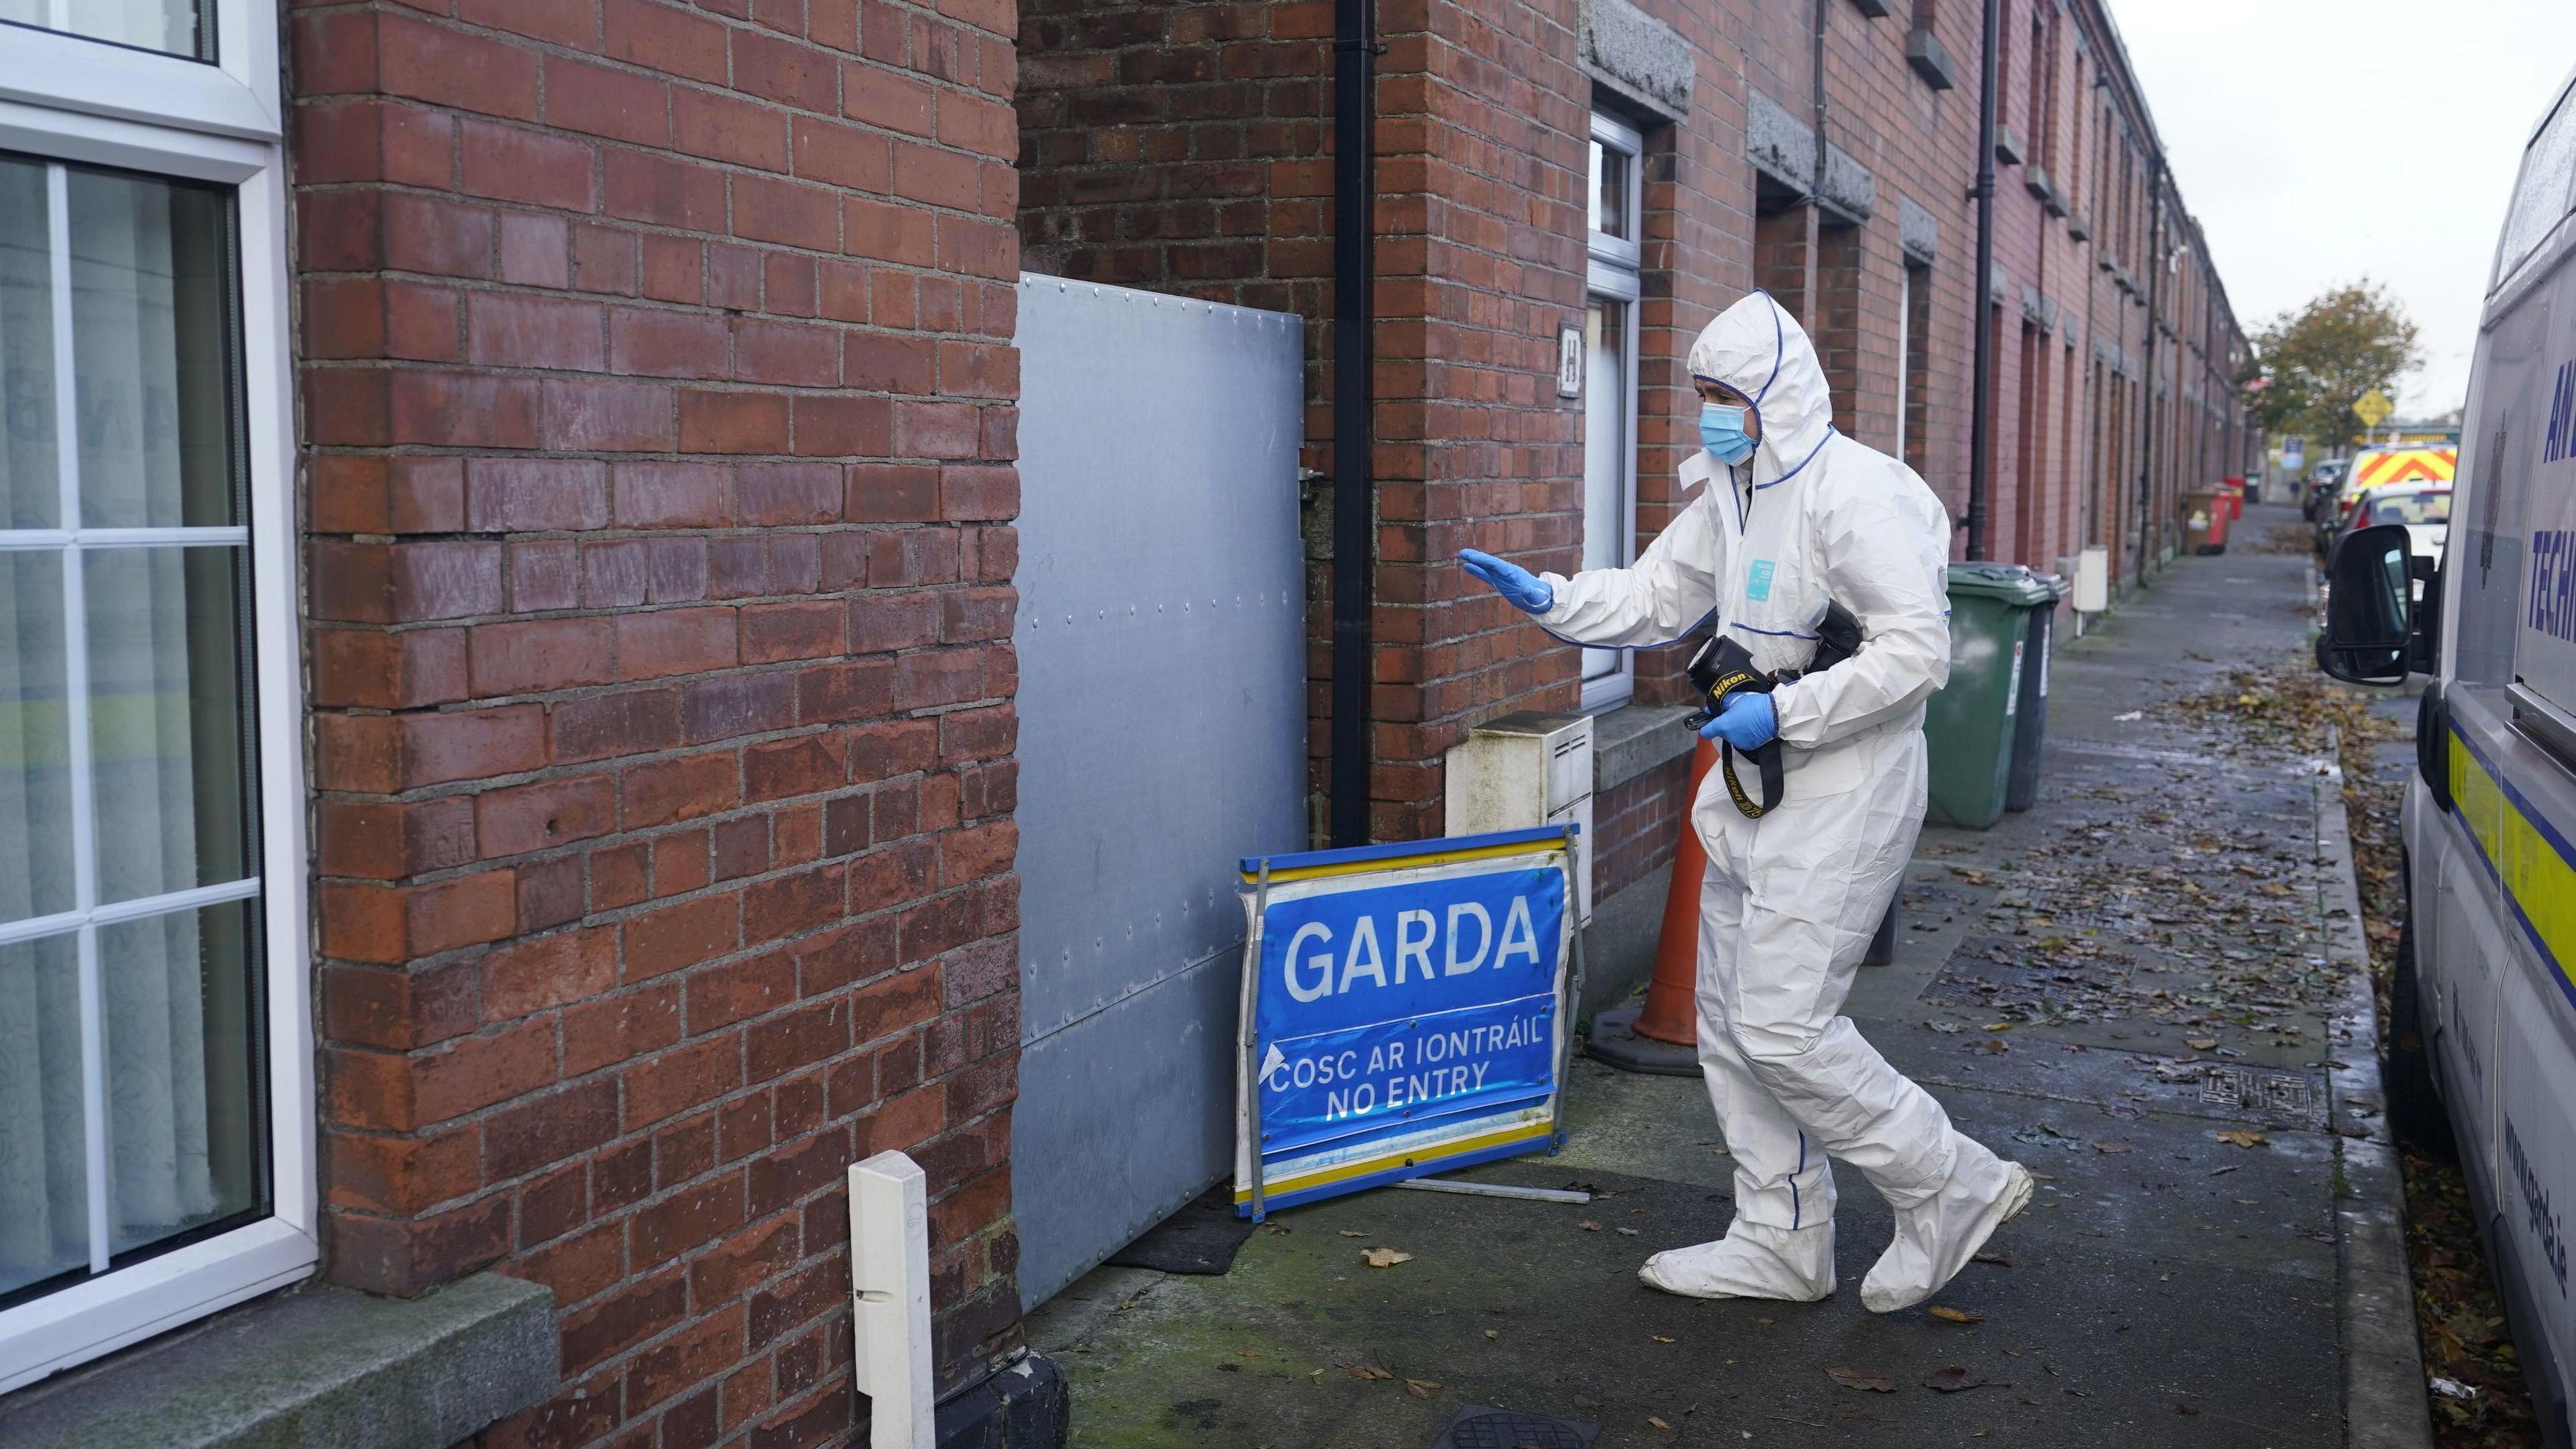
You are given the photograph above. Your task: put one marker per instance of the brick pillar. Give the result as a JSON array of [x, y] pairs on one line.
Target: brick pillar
[[1917, 400], [1784, 259], [657, 409], [1840, 322], [1478, 266]]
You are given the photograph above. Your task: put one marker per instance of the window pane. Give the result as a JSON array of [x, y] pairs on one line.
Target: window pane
[[1605, 435], [176, 26], [2540, 197], [169, 719], [184, 1108], [152, 331], [1610, 191], [1904, 353], [35, 740], [1605, 451], [44, 1191], [30, 485]]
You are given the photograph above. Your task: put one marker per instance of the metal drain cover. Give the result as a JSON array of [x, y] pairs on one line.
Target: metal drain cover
[[2269, 1091], [1478, 1427]]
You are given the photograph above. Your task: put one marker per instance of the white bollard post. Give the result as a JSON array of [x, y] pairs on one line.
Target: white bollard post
[[890, 1292]]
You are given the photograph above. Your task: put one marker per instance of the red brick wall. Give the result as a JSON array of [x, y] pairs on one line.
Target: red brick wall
[[658, 425], [1186, 148], [1483, 130], [1639, 823], [2096, 146]]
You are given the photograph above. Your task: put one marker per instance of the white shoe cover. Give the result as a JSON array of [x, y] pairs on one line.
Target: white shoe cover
[[1934, 1241], [1751, 1261]]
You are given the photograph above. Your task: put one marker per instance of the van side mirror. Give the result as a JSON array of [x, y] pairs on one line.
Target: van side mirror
[[2370, 607]]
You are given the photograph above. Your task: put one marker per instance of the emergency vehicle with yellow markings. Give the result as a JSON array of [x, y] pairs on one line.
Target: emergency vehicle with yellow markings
[[2384, 467], [2482, 1030]]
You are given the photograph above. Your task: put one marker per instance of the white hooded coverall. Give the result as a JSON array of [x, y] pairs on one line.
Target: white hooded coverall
[[1791, 899]]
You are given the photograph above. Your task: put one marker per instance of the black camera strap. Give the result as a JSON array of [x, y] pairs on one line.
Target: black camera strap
[[1724, 668]]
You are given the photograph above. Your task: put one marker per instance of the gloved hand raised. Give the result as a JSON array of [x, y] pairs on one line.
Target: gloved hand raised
[[1524, 590], [1748, 722]]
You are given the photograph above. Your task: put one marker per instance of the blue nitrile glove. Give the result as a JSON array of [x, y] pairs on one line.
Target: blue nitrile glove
[[1748, 722], [1524, 590]]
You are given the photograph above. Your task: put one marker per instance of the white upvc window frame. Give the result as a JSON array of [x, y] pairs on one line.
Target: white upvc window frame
[[1612, 264], [70, 99]]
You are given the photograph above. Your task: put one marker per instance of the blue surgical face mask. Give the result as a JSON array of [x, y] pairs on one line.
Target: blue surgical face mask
[[1721, 431]]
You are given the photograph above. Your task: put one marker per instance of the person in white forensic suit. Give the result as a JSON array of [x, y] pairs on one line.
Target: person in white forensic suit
[[1788, 516]]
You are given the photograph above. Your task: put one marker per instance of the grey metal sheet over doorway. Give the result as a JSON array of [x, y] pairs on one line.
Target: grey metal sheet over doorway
[[1162, 705]]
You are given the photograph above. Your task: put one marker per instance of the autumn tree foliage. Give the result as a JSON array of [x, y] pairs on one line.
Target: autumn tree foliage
[[2318, 359]]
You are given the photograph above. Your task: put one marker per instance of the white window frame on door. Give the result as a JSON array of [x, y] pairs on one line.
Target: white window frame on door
[[1904, 344], [1611, 272], [65, 98]]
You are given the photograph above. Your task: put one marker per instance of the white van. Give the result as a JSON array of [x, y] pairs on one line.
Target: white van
[[2484, 1006]]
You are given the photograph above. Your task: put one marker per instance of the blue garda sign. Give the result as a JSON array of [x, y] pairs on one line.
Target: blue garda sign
[[1404, 1011]]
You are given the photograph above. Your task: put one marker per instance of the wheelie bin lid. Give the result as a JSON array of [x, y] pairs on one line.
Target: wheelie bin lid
[[2006, 583]]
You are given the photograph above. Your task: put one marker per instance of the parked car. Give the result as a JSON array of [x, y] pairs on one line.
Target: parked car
[[2396, 465], [2423, 510], [2482, 1031], [2323, 479]]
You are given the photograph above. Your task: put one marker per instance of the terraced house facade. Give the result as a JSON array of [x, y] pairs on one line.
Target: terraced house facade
[[510, 565]]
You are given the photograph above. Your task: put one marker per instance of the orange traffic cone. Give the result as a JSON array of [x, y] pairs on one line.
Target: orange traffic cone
[[1661, 1036]]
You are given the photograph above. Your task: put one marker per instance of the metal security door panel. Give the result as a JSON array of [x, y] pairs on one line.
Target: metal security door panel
[[1161, 637]]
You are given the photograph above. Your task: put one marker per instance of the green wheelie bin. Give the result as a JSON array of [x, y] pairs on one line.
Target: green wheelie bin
[[1970, 724]]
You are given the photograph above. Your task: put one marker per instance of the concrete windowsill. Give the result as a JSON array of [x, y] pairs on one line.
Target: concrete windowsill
[[315, 1367], [1635, 738]]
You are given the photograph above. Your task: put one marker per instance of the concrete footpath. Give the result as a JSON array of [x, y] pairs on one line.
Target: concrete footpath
[[2149, 989]]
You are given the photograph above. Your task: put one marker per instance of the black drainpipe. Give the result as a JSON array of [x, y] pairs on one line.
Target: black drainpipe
[[1982, 388], [1355, 52], [1816, 183], [2155, 280]]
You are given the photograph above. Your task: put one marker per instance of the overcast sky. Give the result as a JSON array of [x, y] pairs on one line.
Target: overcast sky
[[2319, 141]]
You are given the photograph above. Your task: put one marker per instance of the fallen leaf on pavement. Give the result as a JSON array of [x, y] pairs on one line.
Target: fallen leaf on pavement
[[1658, 1423], [1495, 1334], [1365, 1374], [1852, 1378], [2201, 1043], [1385, 1257], [2223, 1171], [2112, 1147], [1419, 1388], [1948, 1314], [1998, 1259], [1952, 1379], [1350, 1233], [1589, 1226], [1661, 1338], [1627, 1232], [1999, 1026], [2242, 1137]]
